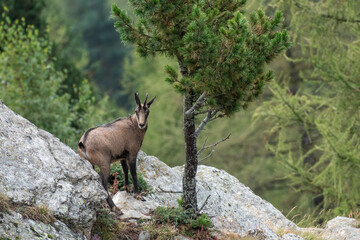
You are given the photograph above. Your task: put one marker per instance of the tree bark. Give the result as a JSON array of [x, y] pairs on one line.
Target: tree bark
[[191, 164]]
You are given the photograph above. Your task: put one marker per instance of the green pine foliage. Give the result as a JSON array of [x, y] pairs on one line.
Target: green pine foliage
[[316, 130], [214, 42]]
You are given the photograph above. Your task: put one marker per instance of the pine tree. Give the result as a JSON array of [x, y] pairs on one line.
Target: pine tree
[[316, 130], [221, 57]]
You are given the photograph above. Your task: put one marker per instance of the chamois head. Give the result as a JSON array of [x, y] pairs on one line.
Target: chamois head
[[142, 111]]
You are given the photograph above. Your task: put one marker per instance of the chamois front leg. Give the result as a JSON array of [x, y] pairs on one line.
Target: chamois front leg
[[137, 195], [126, 176], [105, 173]]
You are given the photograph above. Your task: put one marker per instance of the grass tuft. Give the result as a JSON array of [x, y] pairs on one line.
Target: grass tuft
[[38, 213], [4, 203]]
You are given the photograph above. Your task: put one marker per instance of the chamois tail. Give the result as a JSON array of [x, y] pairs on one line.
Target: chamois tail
[[83, 150]]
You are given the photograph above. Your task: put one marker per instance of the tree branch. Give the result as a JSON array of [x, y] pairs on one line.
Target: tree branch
[[197, 104], [209, 116], [167, 191], [211, 146], [209, 155], [204, 204]]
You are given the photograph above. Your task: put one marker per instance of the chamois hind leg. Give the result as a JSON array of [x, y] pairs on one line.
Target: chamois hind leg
[[105, 173], [134, 178], [126, 175]]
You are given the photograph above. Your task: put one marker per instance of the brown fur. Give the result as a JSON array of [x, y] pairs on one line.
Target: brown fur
[[119, 140]]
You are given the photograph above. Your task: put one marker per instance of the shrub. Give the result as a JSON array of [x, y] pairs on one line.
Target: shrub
[[178, 216], [116, 167], [201, 222]]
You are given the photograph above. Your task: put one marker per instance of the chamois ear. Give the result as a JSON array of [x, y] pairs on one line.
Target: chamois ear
[[150, 102], [137, 100]]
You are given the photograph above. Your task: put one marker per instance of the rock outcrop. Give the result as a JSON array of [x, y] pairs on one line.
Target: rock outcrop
[[232, 206], [38, 170]]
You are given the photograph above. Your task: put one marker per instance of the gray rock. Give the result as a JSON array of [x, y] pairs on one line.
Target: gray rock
[[342, 228], [232, 206], [17, 227], [144, 236], [291, 236], [133, 208], [37, 169]]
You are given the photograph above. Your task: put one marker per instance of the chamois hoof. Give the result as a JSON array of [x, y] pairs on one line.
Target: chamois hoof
[[138, 196], [127, 188], [115, 210]]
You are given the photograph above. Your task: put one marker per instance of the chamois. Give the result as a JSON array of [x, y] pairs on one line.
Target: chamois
[[119, 140]]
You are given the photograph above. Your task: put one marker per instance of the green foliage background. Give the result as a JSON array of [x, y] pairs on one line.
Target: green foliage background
[[300, 149]]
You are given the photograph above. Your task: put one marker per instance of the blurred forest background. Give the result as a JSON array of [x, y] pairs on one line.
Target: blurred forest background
[[297, 146]]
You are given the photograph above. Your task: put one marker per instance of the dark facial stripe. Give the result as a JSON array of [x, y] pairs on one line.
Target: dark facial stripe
[[146, 116]]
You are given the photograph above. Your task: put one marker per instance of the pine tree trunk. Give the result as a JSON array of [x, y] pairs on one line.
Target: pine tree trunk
[[189, 182]]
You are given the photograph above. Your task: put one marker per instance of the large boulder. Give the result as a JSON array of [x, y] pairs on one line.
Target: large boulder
[[232, 206], [38, 170]]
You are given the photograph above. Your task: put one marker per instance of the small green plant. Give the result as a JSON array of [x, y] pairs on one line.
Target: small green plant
[[117, 168], [180, 201], [38, 213], [202, 222], [169, 215], [178, 216], [106, 227]]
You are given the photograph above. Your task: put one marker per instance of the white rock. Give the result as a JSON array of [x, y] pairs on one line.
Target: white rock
[[232, 205], [291, 236], [37, 169], [342, 228]]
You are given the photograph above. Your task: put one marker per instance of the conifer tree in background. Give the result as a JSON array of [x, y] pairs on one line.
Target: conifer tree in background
[[221, 57], [31, 85], [325, 164]]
